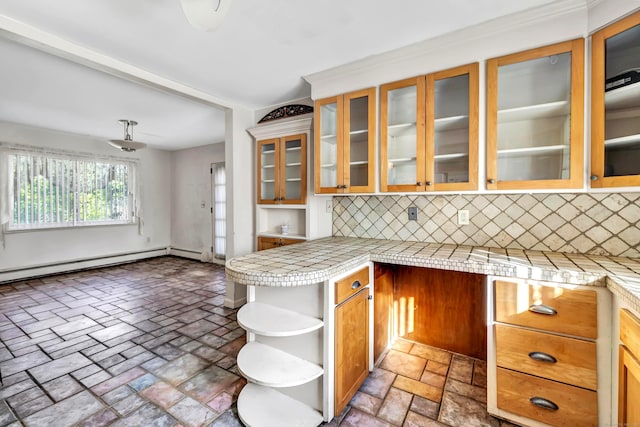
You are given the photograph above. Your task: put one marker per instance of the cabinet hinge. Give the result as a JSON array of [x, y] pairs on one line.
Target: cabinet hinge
[[211, 171], [211, 210], [211, 249]]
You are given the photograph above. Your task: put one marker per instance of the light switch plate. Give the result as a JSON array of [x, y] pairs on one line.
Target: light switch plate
[[463, 217], [412, 213]]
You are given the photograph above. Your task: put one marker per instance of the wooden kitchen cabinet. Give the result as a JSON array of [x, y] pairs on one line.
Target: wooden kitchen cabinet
[[615, 104], [429, 132], [629, 370], [535, 118], [265, 242], [282, 170], [344, 133], [352, 332], [545, 354]]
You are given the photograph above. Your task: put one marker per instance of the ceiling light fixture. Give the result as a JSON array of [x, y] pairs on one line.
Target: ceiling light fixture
[[127, 144], [205, 15]]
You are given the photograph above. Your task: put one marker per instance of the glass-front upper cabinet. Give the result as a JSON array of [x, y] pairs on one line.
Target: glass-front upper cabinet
[[282, 170], [535, 118], [344, 143], [429, 132], [615, 104]]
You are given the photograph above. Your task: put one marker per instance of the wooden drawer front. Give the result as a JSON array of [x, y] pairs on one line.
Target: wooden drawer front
[[348, 286], [575, 359], [630, 332], [575, 310], [576, 406]]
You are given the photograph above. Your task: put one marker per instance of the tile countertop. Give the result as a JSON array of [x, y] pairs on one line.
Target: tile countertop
[[318, 260]]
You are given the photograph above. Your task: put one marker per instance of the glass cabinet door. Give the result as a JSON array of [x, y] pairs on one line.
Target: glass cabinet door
[[268, 171], [535, 118], [344, 143], [359, 138], [452, 134], [328, 156], [402, 118], [615, 134], [293, 187]]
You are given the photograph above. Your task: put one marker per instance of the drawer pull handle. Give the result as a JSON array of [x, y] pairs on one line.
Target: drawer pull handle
[[356, 284], [542, 357], [543, 309], [543, 403]]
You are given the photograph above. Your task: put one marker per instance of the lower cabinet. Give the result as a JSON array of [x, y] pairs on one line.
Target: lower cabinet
[[629, 370], [352, 347], [352, 335], [545, 347], [275, 242]]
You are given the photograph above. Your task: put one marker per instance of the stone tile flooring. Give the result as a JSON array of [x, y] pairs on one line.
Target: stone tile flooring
[[416, 385], [150, 344]]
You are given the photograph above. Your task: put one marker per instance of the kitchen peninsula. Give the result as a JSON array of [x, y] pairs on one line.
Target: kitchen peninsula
[[296, 278]]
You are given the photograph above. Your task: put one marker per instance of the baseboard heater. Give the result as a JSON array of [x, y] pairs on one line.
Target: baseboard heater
[[12, 275]]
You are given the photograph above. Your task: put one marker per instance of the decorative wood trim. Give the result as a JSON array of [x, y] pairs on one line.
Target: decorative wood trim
[[283, 127], [286, 111]]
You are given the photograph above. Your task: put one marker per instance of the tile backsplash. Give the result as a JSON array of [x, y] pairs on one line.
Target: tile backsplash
[[590, 223]]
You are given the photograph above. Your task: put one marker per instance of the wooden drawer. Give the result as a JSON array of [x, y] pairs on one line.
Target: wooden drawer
[[575, 359], [351, 284], [575, 406], [630, 332], [572, 311]]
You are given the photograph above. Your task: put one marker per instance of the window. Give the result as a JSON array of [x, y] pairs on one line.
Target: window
[[219, 210], [63, 191]]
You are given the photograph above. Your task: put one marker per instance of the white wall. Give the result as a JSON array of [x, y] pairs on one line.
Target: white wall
[[191, 233], [35, 248]]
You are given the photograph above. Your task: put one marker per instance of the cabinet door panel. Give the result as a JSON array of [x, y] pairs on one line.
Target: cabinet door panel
[[628, 389], [535, 117], [352, 347], [328, 151], [359, 138], [452, 133], [402, 127], [268, 171], [383, 309], [615, 104], [293, 167]]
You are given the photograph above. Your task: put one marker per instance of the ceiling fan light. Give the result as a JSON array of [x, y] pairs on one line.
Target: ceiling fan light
[[205, 15], [127, 143]]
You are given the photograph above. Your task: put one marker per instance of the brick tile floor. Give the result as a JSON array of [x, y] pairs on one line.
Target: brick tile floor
[[150, 343]]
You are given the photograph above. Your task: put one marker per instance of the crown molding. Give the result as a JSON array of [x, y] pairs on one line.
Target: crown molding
[[451, 40], [299, 124]]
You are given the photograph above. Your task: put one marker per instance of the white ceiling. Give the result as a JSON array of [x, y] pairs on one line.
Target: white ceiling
[[255, 58]]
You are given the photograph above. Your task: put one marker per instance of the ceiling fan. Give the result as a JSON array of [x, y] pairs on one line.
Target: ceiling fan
[[205, 15]]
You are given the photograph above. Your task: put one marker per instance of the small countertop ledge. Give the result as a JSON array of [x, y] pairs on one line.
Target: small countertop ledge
[[319, 260]]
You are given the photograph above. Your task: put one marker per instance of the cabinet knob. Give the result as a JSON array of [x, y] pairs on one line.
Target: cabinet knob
[[356, 284], [428, 183], [419, 183], [594, 177], [344, 185], [491, 181], [275, 199], [541, 402]]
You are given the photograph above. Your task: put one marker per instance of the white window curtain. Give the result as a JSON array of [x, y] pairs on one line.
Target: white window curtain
[[219, 211]]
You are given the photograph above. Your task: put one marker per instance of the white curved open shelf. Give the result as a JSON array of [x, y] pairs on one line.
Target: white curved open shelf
[[268, 320], [262, 406], [268, 366]]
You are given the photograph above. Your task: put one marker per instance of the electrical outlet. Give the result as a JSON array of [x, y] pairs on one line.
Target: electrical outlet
[[412, 213], [463, 217], [328, 207]]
